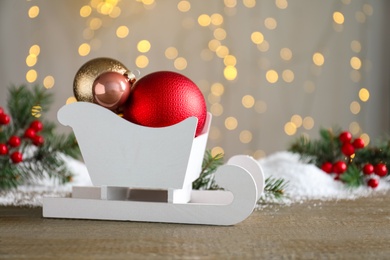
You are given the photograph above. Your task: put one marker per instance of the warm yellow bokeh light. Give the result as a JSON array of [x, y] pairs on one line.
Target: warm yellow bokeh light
[[356, 46], [360, 17], [48, 82], [222, 51], [249, 3], [217, 89], [367, 9], [230, 72], [263, 47], [230, 3], [88, 34], [245, 136], [308, 123], [230, 60], [204, 20], [216, 19], [290, 128], [148, 2], [214, 44], [33, 11], [84, 49], [354, 107], [286, 54], [272, 76], [297, 120], [31, 76], [116, 11], [184, 6], [217, 150], [366, 139], [70, 100], [364, 94], [257, 37], [171, 53], [31, 60], [281, 4], [338, 17], [143, 46], [219, 34], [258, 154], [260, 106], [216, 109], [318, 59], [214, 133], [356, 63], [231, 123], [142, 61], [95, 23], [288, 76], [355, 76], [248, 101], [180, 63], [354, 128], [85, 11], [122, 31], [213, 98], [35, 50], [270, 23]]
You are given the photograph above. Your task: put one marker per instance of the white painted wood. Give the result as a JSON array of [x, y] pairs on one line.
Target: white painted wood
[[204, 208], [119, 153]]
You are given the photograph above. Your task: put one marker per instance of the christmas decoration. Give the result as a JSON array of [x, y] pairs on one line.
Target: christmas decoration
[[352, 161], [26, 155], [110, 90], [87, 74], [165, 98]]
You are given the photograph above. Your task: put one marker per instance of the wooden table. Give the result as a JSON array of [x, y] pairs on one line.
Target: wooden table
[[345, 229]]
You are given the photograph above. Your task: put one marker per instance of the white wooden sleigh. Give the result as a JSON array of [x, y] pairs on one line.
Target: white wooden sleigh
[[145, 174]]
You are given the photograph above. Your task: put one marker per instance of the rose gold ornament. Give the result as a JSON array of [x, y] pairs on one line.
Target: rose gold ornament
[[110, 90], [86, 75]]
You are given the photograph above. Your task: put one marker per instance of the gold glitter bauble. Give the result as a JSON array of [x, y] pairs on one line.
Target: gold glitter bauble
[[86, 75]]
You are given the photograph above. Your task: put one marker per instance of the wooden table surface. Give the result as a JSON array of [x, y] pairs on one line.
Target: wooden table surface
[[345, 229]]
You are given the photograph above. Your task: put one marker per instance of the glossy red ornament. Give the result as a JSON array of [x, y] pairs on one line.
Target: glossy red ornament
[[327, 167], [380, 169], [111, 90], [36, 125], [14, 141], [345, 137], [38, 140], [373, 183], [368, 169], [165, 98], [347, 149], [358, 143], [4, 119], [1, 111], [16, 157], [3, 149], [29, 133], [339, 167]]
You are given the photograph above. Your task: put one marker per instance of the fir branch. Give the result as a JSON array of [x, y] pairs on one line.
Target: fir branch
[[274, 189], [206, 177], [353, 177]]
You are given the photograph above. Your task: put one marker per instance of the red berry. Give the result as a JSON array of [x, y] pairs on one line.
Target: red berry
[[16, 157], [36, 125], [38, 140], [345, 137], [358, 143], [368, 169], [29, 133], [373, 183], [4, 119], [327, 167], [380, 169], [3, 149], [14, 141], [339, 167], [347, 149]]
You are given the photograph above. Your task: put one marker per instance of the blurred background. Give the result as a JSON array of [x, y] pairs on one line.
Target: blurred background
[[270, 70]]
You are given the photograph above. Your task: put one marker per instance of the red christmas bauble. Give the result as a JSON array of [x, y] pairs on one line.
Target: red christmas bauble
[[368, 169], [380, 169], [165, 98], [4, 119], [373, 183], [327, 167], [29, 133], [3, 149], [16, 157], [358, 143], [38, 140], [339, 167], [347, 149], [345, 137]]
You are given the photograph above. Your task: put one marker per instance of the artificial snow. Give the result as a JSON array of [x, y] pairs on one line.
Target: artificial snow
[[304, 182]]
